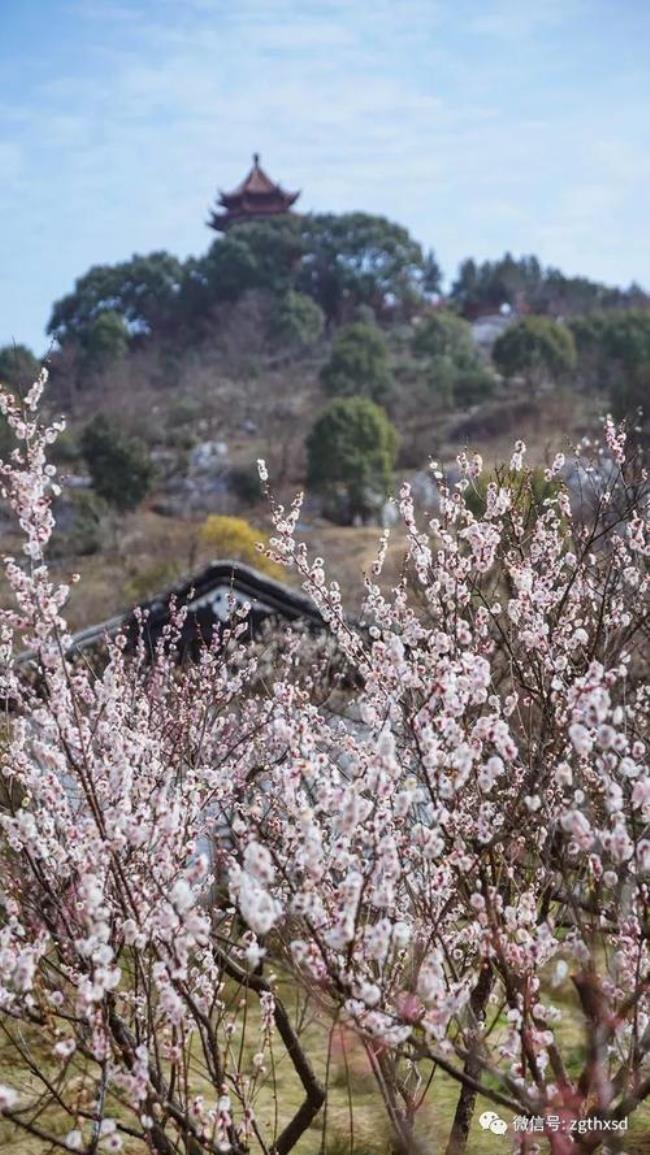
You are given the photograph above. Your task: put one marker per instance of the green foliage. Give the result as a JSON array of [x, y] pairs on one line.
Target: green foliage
[[536, 348], [229, 269], [66, 450], [614, 355], [257, 255], [120, 467], [143, 291], [525, 282], [495, 283], [296, 321], [244, 481], [19, 368], [359, 364], [631, 393], [444, 334], [351, 453], [472, 384], [7, 439], [356, 258], [105, 341], [85, 519], [454, 371], [529, 488]]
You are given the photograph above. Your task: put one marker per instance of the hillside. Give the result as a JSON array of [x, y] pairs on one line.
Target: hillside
[[195, 371]]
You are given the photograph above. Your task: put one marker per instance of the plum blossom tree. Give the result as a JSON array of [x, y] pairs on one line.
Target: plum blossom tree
[[451, 858]]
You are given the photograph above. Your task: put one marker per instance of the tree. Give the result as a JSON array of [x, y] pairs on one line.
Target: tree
[[297, 322], [454, 370], [120, 467], [492, 284], [351, 453], [359, 364], [537, 349], [614, 355], [444, 334], [611, 345], [143, 291], [216, 871], [106, 341], [256, 255], [356, 258], [524, 282], [19, 368]]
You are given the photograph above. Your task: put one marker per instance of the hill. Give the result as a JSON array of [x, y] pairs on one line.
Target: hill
[[196, 370]]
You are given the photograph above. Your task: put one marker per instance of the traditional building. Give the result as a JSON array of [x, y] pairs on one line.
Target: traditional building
[[208, 599], [256, 198]]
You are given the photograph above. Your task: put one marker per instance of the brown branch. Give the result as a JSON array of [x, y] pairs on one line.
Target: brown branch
[[314, 1090]]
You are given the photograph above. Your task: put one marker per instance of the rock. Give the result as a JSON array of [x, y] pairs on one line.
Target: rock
[[424, 489], [208, 457]]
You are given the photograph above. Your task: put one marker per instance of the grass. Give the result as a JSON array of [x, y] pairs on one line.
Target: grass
[[353, 1122]]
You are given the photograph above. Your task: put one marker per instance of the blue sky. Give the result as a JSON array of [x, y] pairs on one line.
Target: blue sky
[[480, 124]]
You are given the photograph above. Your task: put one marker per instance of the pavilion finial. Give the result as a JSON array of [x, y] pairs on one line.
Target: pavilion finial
[[256, 159]]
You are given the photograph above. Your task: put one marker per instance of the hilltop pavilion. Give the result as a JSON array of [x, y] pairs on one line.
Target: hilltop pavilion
[[256, 198]]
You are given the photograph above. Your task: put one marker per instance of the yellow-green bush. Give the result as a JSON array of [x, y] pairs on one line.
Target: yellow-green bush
[[234, 537]]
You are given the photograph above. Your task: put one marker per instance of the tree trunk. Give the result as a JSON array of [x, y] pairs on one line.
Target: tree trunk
[[467, 1099]]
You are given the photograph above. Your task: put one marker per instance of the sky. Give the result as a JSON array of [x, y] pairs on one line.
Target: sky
[[482, 125]]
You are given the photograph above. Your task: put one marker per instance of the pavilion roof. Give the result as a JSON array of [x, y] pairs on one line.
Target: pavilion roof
[[257, 183]]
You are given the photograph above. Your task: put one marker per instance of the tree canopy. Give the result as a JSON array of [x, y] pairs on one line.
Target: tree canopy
[[359, 363], [105, 341], [454, 369], [444, 334], [120, 468], [142, 291], [525, 282], [296, 321], [357, 258], [351, 453], [536, 348], [19, 368], [614, 355]]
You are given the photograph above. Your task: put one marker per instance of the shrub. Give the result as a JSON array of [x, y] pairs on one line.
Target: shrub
[[120, 467], [351, 451], [444, 335], [296, 321], [537, 349], [472, 385], [244, 480], [233, 538], [528, 490], [454, 370], [359, 364], [614, 355], [84, 517]]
